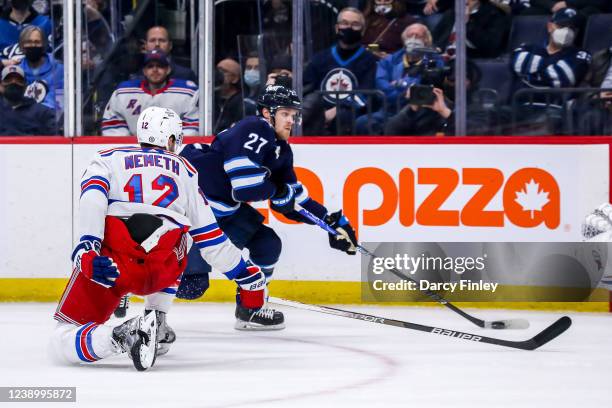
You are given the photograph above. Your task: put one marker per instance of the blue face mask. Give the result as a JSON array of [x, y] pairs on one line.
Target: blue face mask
[[251, 77]]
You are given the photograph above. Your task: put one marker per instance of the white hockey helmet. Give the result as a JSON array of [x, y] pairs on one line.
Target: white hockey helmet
[[156, 125]]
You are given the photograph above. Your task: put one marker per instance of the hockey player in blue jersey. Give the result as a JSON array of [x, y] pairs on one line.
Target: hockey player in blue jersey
[[253, 161]]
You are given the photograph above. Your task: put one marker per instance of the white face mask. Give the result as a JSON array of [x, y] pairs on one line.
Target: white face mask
[[563, 37], [413, 43], [383, 9]]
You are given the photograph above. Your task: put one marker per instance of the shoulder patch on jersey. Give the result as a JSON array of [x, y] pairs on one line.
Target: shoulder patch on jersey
[[132, 83]]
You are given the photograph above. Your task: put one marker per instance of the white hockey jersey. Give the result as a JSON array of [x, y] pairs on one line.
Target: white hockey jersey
[[132, 97], [127, 180]]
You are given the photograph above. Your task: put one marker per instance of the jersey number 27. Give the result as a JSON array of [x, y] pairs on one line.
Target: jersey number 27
[[135, 193]]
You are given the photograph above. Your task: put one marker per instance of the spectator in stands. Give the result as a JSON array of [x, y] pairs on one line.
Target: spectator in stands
[[158, 38], [346, 66], [21, 115], [252, 76], [13, 21], [228, 98], [559, 64], [44, 74], [157, 89], [385, 21], [487, 30], [280, 71], [584, 7], [396, 73], [438, 118], [594, 112]]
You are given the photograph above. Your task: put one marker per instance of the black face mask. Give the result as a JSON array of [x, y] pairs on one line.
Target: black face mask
[[21, 5], [349, 36], [14, 93], [33, 54]]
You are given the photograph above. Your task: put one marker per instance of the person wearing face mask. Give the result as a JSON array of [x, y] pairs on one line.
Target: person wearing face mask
[[559, 64], [385, 21], [346, 66], [398, 72], [44, 74], [16, 18], [252, 80], [487, 30], [21, 115]]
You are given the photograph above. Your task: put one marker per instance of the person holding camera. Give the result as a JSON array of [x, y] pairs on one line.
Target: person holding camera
[[416, 63], [430, 108], [422, 116]]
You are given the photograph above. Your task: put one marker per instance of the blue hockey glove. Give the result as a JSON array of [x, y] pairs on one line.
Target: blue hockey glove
[[284, 199], [87, 260], [345, 240]]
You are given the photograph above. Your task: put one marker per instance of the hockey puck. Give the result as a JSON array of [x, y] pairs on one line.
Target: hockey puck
[[498, 325]]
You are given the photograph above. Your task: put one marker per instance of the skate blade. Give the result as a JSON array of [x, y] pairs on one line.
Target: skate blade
[[249, 326], [143, 355], [163, 348]]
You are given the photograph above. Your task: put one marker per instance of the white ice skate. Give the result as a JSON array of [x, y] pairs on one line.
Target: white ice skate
[[138, 337]]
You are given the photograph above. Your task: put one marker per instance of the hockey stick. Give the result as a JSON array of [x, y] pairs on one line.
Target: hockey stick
[[533, 343], [496, 324]]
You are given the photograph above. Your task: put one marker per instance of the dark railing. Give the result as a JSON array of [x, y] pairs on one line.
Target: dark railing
[[565, 111], [348, 108]]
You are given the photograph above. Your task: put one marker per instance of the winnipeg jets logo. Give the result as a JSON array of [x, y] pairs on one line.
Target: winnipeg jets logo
[[37, 90], [277, 152], [338, 79]]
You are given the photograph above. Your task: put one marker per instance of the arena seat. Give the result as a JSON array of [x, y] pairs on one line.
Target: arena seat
[[598, 33]]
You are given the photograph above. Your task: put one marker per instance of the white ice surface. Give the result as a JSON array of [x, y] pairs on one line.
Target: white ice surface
[[325, 361]]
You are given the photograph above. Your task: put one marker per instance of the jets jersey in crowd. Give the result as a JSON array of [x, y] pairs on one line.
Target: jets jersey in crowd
[[246, 163], [328, 71], [538, 69], [132, 97], [129, 180]]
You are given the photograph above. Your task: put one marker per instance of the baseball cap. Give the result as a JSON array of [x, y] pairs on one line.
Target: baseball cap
[[12, 69], [565, 17], [156, 55]]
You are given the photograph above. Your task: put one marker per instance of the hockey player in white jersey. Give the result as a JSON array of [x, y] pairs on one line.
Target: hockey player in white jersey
[[140, 211], [597, 227], [157, 89]]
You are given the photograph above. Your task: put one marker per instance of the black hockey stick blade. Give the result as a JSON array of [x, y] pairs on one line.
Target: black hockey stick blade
[[546, 335]]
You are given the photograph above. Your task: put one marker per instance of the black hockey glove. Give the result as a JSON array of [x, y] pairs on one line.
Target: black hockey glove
[[284, 199], [345, 240]]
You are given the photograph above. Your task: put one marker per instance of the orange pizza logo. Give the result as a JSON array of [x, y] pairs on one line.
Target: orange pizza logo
[[531, 197]]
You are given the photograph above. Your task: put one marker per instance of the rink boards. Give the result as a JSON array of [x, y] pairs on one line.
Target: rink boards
[[393, 189]]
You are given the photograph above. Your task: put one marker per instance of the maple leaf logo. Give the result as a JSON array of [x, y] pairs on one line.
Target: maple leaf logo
[[532, 198]]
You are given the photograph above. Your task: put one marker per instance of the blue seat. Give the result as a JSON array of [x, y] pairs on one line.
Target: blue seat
[[528, 30], [598, 33], [496, 74]]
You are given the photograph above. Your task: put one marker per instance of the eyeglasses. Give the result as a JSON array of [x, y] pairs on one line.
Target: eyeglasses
[[355, 25]]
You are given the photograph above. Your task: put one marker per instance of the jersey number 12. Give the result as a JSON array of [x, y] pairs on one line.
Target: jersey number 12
[[134, 189]]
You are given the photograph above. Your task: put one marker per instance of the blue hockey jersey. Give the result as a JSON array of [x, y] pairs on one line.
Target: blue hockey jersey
[[327, 71], [246, 163], [538, 69], [10, 30]]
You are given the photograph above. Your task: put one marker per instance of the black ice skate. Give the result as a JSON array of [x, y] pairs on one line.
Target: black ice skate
[[262, 319], [165, 334], [138, 337], [124, 304]]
